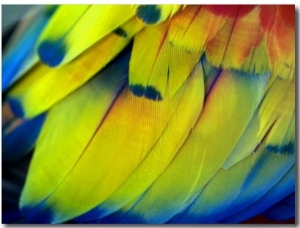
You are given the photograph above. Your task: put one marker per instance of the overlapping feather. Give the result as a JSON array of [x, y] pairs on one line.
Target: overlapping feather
[[184, 127]]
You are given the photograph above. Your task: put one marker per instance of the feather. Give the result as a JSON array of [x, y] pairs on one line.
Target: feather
[[18, 142], [194, 21], [152, 114], [155, 14], [283, 188], [265, 174], [283, 210], [165, 66], [20, 56], [276, 106], [196, 158], [131, 153], [280, 41], [57, 45], [149, 45], [275, 117], [215, 204], [233, 43], [247, 144], [86, 106], [155, 163], [34, 94], [213, 200]]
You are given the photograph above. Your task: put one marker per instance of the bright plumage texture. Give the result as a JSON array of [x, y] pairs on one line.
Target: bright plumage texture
[[151, 114]]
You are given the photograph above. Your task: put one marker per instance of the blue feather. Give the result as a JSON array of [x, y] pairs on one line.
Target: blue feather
[[22, 51], [17, 143], [283, 210]]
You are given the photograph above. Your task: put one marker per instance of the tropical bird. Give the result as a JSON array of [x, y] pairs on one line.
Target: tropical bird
[[150, 114]]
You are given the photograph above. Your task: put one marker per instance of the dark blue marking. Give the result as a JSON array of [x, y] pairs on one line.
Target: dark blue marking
[[149, 92], [52, 53], [16, 107], [21, 140], [137, 90], [121, 32], [91, 215], [152, 93], [150, 14], [37, 214], [283, 149]]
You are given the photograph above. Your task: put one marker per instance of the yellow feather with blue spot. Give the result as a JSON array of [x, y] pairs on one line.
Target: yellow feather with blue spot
[[55, 139], [200, 157], [165, 66], [58, 45], [155, 162], [34, 94], [152, 121]]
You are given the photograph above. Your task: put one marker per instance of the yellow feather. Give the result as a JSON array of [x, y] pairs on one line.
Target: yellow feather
[[281, 133], [181, 64], [192, 28], [211, 200], [44, 86], [59, 25], [233, 42], [103, 159], [89, 23], [227, 111], [247, 143], [258, 60], [61, 143], [164, 67], [154, 164], [275, 104], [149, 59]]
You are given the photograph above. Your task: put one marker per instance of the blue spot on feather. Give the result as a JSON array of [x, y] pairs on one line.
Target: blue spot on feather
[[52, 53], [152, 94], [282, 149], [16, 107], [137, 90], [149, 14], [149, 92], [121, 32]]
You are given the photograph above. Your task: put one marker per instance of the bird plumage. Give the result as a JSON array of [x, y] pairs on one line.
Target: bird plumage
[[153, 113]]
